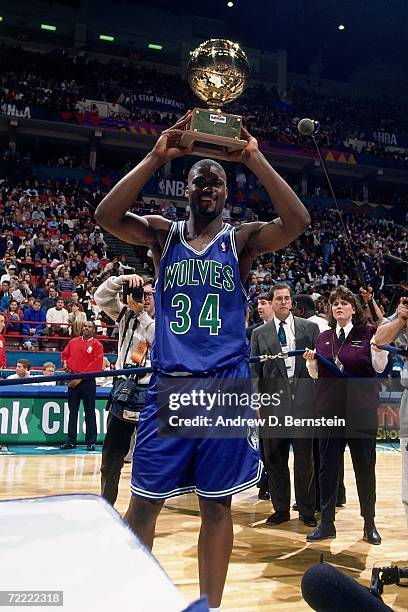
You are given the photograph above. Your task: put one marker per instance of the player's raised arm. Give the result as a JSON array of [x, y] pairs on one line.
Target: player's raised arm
[[294, 218], [112, 213]]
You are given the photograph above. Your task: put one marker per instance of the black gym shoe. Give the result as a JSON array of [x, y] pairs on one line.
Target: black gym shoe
[[67, 446], [90, 447]]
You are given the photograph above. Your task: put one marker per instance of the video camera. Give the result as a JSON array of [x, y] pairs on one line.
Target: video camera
[[327, 589], [395, 272], [387, 575], [396, 278]]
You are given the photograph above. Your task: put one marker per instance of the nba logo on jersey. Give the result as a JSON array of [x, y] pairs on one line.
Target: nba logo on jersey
[[223, 247]]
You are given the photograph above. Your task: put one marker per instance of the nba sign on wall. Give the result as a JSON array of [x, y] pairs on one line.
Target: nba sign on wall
[[172, 188]]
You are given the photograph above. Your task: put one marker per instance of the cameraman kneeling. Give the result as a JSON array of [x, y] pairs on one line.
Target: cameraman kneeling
[[136, 332]]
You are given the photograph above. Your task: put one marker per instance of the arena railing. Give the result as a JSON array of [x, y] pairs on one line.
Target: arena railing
[[48, 336]]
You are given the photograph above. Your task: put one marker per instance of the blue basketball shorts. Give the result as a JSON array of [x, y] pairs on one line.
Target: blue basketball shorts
[[211, 467]]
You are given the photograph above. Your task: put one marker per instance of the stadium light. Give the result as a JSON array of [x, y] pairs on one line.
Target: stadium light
[[1, 18], [106, 37], [230, 4], [47, 26], [155, 47], [341, 27]]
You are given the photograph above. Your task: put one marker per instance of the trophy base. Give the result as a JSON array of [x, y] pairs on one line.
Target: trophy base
[[211, 145]]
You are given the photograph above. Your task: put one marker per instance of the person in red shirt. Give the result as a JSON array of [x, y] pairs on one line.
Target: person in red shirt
[[3, 361], [82, 354]]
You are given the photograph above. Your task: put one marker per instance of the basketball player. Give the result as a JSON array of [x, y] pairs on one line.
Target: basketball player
[[200, 314]]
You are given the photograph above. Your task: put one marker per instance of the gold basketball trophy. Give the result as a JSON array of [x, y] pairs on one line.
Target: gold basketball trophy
[[218, 72]]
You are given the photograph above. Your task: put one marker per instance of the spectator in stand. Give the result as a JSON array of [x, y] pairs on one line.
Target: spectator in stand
[[23, 292], [266, 282], [13, 317], [10, 273], [3, 359], [5, 295], [23, 368], [105, 381], [82, 354], [51, 300], [226, 213], [65, 283], [86, 298], [57, 319], [241, 179], [77, 265], [48, 369], [76, 318], [93, 263], [74, 298], [34, 325], [302, 286]]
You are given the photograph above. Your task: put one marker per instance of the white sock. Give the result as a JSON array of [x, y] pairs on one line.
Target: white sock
[[214, 609]]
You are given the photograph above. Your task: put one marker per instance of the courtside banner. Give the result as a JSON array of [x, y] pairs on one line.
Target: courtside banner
[[43, 420], [25, 419]]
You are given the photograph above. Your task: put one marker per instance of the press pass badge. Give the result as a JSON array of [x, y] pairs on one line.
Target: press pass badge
[[286, 358], [339, 364], [139, 352]]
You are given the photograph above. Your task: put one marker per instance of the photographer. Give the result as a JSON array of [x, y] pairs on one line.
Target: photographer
[[136, 332], [395, 329]]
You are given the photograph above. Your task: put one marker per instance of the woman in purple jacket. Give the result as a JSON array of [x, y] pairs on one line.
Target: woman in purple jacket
[[350, 393]]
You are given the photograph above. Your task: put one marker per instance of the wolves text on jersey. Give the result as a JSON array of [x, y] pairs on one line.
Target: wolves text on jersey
[[196, 272]]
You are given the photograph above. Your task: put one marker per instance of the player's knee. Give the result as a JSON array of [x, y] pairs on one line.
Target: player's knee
[[214, 511], [143, 511]]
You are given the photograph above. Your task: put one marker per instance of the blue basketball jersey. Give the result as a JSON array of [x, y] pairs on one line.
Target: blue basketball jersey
[[200, 305]]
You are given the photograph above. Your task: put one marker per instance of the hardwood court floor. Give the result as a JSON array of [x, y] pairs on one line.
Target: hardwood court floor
[[267, 563]]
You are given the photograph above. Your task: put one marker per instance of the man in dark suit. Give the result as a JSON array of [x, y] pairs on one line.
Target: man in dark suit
[[265, 312], [290, 379]]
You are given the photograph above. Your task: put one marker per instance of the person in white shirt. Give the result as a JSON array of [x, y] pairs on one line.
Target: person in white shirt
[[10, 273], [105, 381], [58, 319], [23, 368], [136, 333], [304, 307]]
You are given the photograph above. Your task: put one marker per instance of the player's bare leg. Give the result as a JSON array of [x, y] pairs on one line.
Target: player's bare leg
[[141, 516], [214, 547]]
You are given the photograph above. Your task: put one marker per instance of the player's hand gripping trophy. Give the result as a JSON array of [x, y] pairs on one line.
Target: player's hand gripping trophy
[[217, 73]]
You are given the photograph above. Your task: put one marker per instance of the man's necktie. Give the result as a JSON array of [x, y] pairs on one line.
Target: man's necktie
[[282, 334], [342, 335]]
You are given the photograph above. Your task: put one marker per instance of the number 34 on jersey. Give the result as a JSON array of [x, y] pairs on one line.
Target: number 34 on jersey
[[209, 316]]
